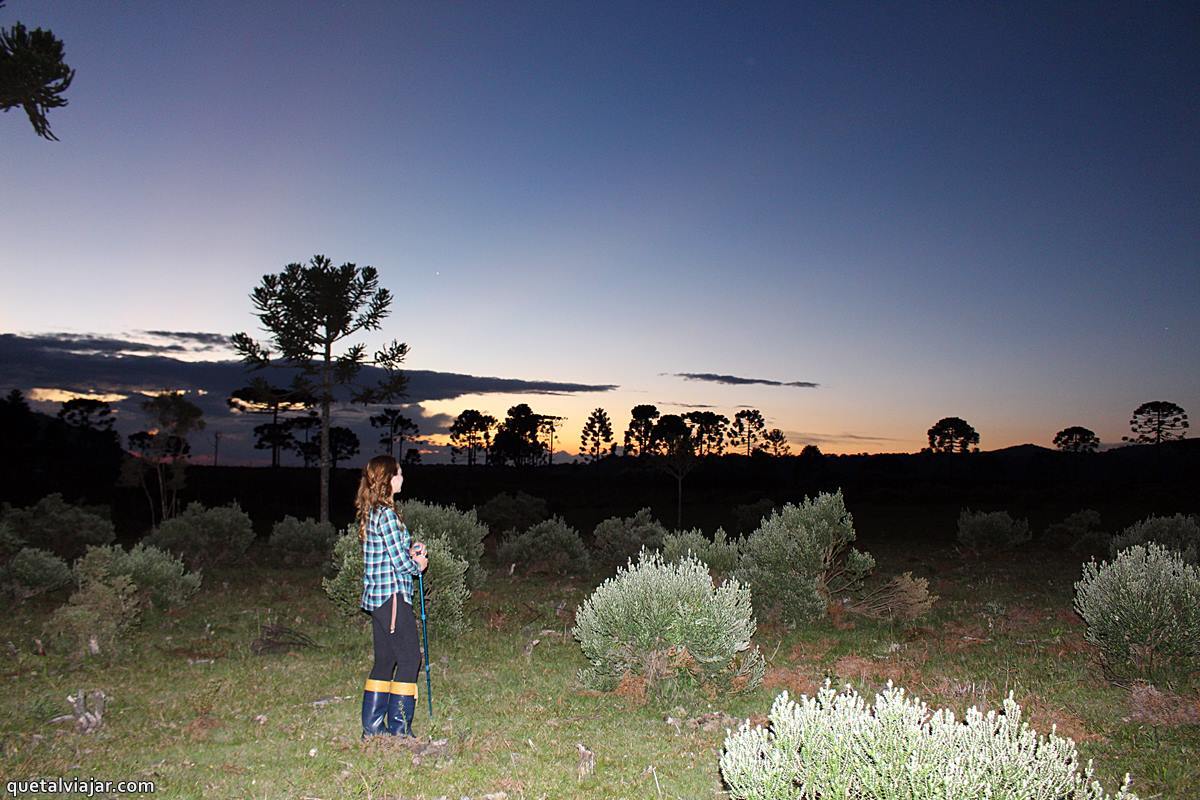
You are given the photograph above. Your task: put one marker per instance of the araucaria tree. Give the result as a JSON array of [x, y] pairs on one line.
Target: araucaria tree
[[33, 74], [343, 444], [1077, 439], [777, 443], [597, 435], [952, 435], [162, 451], [471, 432], [641, 430], [309, 311], [708, 431], [396, 428], [88, 413], [548, 424], [672, 441], [1156, 422], [260, 397], [517, 440], [748, 429]]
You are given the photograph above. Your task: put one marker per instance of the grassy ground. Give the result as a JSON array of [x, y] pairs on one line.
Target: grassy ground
[[196, 711]]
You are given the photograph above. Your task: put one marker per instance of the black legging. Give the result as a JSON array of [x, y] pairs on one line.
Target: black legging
[[396, 651]]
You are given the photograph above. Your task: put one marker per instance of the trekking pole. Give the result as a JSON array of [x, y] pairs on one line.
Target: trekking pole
[[425, 636]]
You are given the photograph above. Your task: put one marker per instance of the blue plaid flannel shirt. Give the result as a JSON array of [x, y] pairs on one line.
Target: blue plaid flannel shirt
[[387, 566]]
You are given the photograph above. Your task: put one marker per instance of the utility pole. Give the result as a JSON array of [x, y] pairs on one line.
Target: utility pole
[[216, 446]]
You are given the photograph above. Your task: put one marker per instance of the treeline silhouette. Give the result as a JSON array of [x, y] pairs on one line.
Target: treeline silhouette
[[78, 454]]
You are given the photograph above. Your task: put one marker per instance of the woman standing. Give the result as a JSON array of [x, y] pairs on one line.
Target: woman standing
[[389, 564]]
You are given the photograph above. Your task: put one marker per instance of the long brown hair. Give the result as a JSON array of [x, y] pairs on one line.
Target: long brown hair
[[374, 489]]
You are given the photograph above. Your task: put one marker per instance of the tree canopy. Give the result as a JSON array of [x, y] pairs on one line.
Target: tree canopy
[[309, 311], [33, 74]]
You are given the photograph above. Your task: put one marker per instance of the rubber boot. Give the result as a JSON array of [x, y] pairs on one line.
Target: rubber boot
[[376, 696], [402, 707]]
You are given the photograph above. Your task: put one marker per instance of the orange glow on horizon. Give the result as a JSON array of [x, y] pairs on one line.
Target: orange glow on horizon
[[42, 394]]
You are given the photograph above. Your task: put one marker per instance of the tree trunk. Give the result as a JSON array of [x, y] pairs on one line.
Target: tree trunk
[[274, 437], [326, 385]]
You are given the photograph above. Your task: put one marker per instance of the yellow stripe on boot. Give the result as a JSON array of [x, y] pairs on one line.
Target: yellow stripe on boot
[[407, 689], [377, 686]]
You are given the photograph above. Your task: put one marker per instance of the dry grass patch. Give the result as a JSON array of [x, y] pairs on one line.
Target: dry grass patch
[[1152, 706], [1042, 714], [632, 687], [796, 680]]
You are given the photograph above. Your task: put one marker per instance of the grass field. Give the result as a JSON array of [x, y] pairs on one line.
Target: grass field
[[199, 713]]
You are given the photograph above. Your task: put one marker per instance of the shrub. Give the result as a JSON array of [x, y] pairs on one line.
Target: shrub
[[159, 578], [205, 536], [748, 516], [1080, 532], [1142, 610], [345, 586], [462, 529], [719, 554], [836, 745], [666, 623], [445, 583], [97, 619], [616, 539], [550, 546], [513, 512], [63, 529], [445, 589], [801, 557], [991, 531], [10, 543], [32, 572], [1178, 533], [303, 542]]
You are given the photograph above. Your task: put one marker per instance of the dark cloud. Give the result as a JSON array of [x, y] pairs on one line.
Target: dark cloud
[[202, 341], [89, 364], [684, 405], [734, 380], [805, 437], [97, 345]]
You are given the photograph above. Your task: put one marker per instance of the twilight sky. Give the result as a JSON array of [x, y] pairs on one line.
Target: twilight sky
[[982, 210]]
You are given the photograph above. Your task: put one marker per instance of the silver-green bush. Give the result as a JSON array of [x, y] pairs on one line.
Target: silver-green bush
[[991, 531], [97, 620], [462, 529], [1142, 610], [1080, 532], [32, 572], [10, 542], [512, 512], [159, 577], [446, 591], [801, 557], [667, 625], [302, 542], [719, 554], [205, 537], [835, 745], [748, 516], [345, 586], [55, 525], [551, 546], [618, 539], [1179, 533]]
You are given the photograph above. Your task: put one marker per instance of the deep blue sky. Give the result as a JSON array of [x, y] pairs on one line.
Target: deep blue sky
[[989, 211]]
